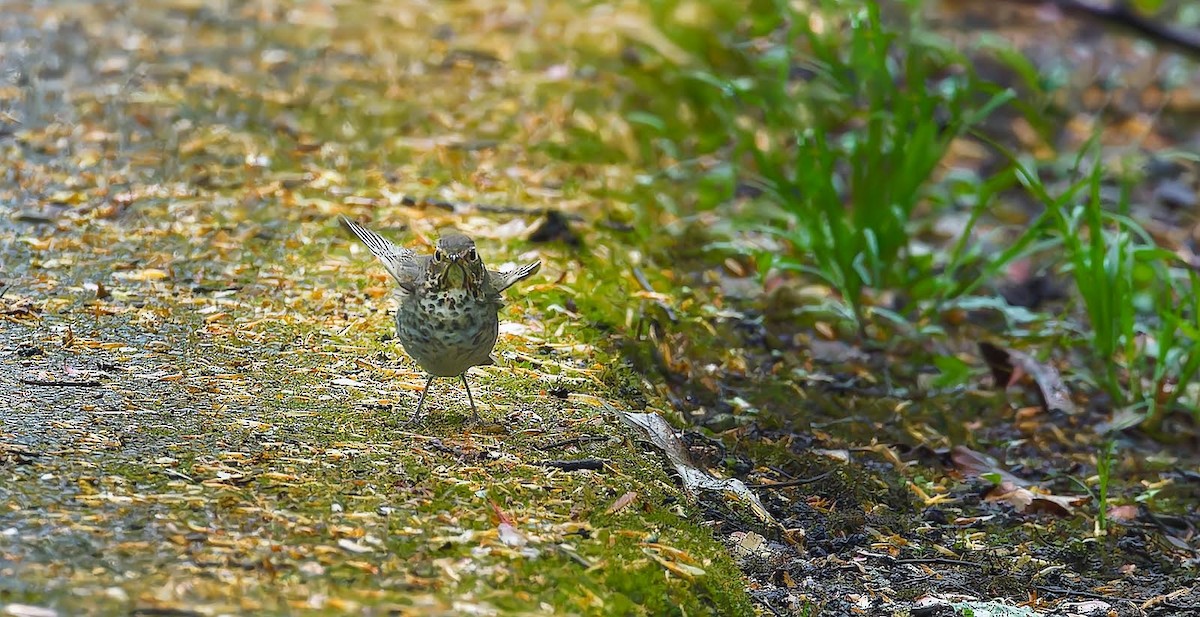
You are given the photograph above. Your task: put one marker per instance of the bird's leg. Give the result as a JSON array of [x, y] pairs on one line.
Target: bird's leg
[[421, 403], [474, 412]]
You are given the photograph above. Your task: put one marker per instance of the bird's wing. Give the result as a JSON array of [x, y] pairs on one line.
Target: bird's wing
[[503, 280], [400, 262]]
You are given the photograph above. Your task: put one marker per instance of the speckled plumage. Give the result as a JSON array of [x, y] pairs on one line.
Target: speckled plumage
[[447, 331], [447, 317]]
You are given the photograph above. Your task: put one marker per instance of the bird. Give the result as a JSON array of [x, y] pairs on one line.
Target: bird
[[447, 315]]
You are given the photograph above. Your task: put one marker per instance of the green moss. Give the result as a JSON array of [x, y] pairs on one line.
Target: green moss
[[229, 472]]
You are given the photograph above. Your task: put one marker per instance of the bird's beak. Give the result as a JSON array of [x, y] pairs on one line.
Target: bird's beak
[[456, 271]]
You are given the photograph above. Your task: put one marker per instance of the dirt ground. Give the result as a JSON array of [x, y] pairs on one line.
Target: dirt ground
[[203, 408]]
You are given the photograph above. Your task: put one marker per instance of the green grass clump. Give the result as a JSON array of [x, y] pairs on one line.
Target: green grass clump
[[1142, 345], [1139, 299], [848, 176], [836, 118], [828, 129]]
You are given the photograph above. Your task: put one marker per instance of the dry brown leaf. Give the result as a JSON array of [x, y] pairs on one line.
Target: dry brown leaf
[[1016, 496], [622, 502], [1034, 499], [975, 464], [1123, 513], [1009, 365], [661, 434]]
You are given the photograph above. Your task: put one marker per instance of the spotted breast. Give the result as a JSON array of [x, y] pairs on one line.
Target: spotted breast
[[447, 331]]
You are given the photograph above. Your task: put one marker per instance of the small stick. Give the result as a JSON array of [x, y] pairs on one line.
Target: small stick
[[453, 206], [44, 382], [645, 283], [941, 561], [797, 482], [1121, 15], [576, 465], [577, 440]]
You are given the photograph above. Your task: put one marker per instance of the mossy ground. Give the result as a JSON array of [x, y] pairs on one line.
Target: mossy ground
[[235, 439], [174, 172]]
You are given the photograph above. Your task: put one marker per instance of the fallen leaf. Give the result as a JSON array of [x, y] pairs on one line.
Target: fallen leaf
[[622, 502], [1016, 496], [146, 274], [662, 435], [1033, 499], [684, 570], [353, 546], [749, 544], [1123, 513], [507, 529], [26, 610], [510, 536], [976, 464], [1009, 365]]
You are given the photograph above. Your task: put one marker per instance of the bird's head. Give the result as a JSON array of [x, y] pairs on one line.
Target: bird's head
[[456, 264]]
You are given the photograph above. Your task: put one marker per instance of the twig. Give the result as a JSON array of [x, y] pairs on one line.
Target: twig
[[767, 603], [204, 289], [178, 475], [459, 206], [641, 279], [436, 444], [577, 464], [1083, 594], [44, 382], [796, 482], [942, 561], [1121, 15], [577, 440], [574, 556], [162, 612]]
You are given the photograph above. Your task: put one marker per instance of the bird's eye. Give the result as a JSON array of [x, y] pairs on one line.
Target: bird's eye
[[438, 256], [471, 256]]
